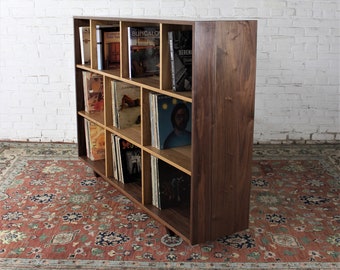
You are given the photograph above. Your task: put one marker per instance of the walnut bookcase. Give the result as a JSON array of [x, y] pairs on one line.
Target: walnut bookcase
[[219, 158]]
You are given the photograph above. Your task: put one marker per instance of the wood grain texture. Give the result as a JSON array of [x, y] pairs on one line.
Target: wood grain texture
[[202, 135], [223, 127]]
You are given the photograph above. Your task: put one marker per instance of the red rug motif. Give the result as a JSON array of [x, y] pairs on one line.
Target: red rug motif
[[57, 209]]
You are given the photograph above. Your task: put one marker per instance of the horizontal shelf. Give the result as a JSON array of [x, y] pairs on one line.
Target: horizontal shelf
[[176, 219], [133, 190], [97, 165], [131, 134], [185, 96], [150, 83], [113, 73], [179, 157], [97, 118]]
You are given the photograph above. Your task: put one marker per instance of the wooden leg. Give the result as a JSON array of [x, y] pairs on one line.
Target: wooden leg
[[170, 232]]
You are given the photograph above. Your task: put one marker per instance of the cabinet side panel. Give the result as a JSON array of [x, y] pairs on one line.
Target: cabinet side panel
[[204, 66], [79, 86], [233, 132], [223, 132], [81, 140]]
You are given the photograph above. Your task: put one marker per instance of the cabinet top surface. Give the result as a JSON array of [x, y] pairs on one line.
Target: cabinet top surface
[[176, 20]]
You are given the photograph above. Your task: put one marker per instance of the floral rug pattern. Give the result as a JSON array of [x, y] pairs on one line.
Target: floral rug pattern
[[56, 214]]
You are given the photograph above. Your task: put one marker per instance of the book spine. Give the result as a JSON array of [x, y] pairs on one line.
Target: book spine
[[155, 181], [119, 160], [86, 97], [84, 35], [100, 53], [156, 108], [87, 137], [172, 59], [129, 52], [82, 51], [114, 104], [114, 157]]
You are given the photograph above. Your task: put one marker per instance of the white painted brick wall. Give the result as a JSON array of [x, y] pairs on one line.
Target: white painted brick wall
[[297, 90]]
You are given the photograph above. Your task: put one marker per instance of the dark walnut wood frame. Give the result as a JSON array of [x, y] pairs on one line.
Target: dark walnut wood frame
[[219, 159]]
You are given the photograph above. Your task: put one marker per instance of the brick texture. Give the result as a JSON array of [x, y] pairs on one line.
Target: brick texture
[[297, 89]]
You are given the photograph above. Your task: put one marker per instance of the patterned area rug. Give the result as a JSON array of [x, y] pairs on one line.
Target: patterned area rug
[[56, 215]]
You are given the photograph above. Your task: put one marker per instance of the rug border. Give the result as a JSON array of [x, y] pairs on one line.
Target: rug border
[[17, 263]]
